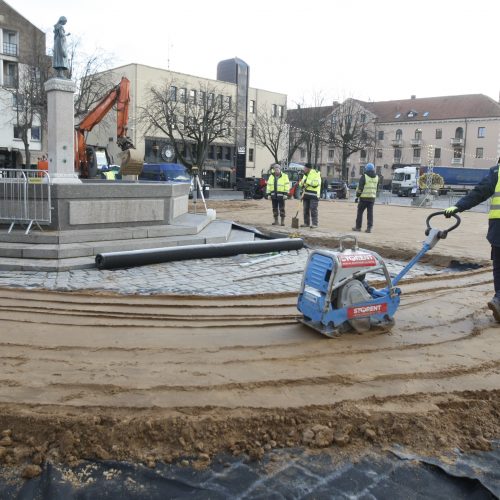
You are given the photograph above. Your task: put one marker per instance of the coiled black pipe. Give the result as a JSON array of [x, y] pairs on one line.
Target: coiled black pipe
[[132, 258]]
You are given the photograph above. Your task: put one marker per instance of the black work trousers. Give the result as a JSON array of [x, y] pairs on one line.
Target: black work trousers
[[495, 257], [362, 206], [278, 206], [310, 210]]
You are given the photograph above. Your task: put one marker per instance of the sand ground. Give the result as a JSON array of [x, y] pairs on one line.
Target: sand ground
[[86, 375]]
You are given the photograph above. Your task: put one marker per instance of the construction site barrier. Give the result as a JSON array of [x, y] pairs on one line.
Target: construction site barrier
[[24, 198], [113, 260]]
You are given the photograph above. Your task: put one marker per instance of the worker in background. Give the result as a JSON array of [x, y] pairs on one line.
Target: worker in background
[[310, 184], [108, 174], [366, 193], [489, 186], [324, 188], [278, 186]]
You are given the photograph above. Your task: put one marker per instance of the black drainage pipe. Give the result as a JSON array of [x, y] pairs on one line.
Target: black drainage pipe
[[132, 258]]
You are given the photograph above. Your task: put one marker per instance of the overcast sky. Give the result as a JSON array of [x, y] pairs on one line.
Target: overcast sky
[[367, 49]]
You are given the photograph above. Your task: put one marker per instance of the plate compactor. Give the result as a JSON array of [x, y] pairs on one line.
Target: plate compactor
[[335, 297]]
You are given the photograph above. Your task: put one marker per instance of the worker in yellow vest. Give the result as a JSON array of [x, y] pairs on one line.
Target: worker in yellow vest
[[278, 185], [310, 186], [488, 187], [366, 193]]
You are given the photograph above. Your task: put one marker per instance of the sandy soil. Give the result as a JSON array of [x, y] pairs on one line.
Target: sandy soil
[[134, 377]]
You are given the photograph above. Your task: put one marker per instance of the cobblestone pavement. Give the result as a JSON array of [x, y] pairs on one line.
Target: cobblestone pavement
[[238, 275]]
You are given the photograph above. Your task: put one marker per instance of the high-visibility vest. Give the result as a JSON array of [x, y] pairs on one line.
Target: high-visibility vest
[[495, 202], [110, 175], [370, 187], [311, 183], [282, 184]]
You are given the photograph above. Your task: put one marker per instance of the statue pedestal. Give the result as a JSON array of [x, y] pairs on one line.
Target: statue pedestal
[[61, 131]]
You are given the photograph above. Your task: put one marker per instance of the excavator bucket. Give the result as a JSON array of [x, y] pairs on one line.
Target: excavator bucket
[[131, 162]]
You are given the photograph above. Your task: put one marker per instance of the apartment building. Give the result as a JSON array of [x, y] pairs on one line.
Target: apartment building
[[20, 43], [461, 131], [237, 154]]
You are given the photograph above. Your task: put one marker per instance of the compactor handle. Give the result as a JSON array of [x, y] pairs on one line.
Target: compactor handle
[[348, 237], [444, 232]]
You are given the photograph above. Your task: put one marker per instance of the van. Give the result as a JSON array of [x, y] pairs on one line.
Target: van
[[171, 172]]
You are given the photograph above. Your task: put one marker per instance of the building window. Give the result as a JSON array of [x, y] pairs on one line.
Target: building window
[[182, 95], [219, 152], [479, 152], [251, 107], [481, 132], [211, 98], [275, 110], [457, 153], [252, 131], [437, 153], [220, 101], [281, 111], [211, 152], [228, 153], [459, 133], [418, 134], [397, 155], [362, 154], [36, 133], [439, 133], [364, 135], [362, 118], [399, 134], [17, 132], [331, 153], [173, 93], [302, 153], [250, 154], [416, 153], [380, 135], [228, 102], [192, 96], [201, 97], [379, 153]]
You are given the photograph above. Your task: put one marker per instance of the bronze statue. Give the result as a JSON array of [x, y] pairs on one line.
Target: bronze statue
[[60, 57]]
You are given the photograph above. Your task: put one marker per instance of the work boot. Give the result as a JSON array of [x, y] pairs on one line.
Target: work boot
[[304, 225], [494, 305], [314, 226], [356, 229], [282, 221], [275, 223], [368, 230]]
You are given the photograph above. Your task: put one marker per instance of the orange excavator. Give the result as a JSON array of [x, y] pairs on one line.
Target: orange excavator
[[119, 95]]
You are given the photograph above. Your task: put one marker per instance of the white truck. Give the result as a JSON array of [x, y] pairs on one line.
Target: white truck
[[455, 179], [405, 181]]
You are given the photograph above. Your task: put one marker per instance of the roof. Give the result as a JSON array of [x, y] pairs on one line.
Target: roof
[[435, 108]]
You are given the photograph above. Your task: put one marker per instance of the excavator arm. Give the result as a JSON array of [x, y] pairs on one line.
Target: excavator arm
[[119, 95]]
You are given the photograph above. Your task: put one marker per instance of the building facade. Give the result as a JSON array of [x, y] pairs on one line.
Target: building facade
[[235, 155], [460, 131], [20, 43]]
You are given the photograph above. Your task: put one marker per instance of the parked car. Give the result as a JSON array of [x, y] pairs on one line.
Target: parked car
[[338, 189], [353, 185]]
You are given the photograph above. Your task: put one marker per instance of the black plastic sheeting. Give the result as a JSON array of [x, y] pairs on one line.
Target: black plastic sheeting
[[288, 474], [114, 260]]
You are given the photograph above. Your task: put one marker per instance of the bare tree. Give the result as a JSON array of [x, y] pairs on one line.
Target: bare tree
[[89, 73], [351, 130], [26, 94], [271, 132], [191, 122], [308, 128]]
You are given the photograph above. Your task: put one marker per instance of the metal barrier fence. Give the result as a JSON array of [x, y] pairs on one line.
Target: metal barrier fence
[[24, 197]]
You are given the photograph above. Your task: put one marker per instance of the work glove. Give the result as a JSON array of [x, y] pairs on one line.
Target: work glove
[[356, 200], [450, 211]]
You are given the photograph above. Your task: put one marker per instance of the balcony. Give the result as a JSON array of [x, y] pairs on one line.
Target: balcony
[[457, 161], [9, 49], [397, 143], [457, 141], [416, 143]]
